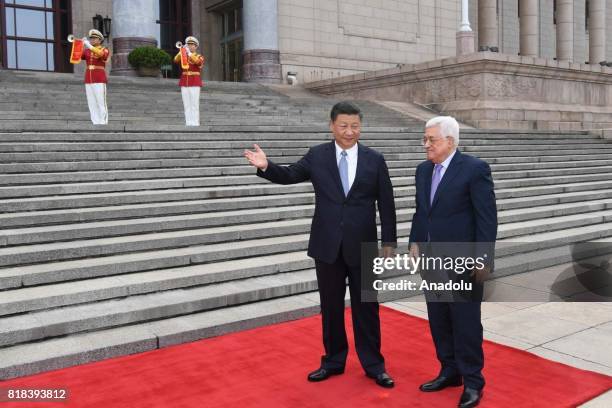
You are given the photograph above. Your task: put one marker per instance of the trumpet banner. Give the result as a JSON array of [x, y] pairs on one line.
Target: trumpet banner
[[76, 51]]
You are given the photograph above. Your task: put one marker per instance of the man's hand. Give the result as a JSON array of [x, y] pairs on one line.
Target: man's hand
[[414, 251], [257, 158], [481, 275], [87, 44], [187, 49], [388, 251]]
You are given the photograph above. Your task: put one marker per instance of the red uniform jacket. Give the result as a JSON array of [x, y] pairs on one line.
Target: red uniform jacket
[[191, 76], [96, 61]]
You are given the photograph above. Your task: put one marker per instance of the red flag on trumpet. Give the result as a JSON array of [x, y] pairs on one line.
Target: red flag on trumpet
[[184, 58], [77, 51]]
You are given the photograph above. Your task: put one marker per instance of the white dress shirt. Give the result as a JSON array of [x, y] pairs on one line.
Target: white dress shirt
[[351, 158], [445, 164]]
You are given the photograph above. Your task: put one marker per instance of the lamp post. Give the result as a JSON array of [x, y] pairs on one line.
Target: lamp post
[[102, 24], [107, 26], [98, 20]]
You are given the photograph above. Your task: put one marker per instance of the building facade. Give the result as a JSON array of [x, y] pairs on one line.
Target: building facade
[[264, 40]]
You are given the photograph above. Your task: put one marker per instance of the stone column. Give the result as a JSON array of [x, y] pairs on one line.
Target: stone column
[[261, 58], [529, 28], [597, 31], [565, 30], [487, 24], [465, 35], [134, 25]]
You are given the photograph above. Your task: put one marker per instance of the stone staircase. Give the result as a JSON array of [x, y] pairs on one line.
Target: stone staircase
[[143, 234], [31, 101]]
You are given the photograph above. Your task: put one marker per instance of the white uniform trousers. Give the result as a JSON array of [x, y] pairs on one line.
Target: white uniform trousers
[[191, 104], [96, 100]]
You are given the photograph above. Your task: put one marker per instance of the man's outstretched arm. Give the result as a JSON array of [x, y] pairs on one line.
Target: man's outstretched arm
[[292, 174]]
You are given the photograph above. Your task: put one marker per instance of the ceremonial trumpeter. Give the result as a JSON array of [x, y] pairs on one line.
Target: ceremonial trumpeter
[[95, 55], [191, 81]]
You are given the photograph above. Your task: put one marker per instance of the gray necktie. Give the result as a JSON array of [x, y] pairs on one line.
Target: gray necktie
[[343, 167], [435, 181]]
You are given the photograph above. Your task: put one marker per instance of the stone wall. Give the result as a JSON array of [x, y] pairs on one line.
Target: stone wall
[[322, 39], [548, 33], [581, 46], [509, 27], [609, 30], [492, 90]]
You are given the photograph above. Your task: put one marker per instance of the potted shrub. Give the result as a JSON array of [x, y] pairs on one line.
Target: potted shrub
[[148, 60]]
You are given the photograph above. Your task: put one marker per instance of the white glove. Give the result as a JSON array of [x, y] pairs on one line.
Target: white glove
[[188, 51], [87, 44]]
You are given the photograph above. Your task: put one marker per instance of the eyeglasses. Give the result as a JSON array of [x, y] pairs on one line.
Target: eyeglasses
[[431, 140]]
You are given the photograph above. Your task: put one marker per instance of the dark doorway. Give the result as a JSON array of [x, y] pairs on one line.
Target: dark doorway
[[175, 25], [33, 35], [232, 42]]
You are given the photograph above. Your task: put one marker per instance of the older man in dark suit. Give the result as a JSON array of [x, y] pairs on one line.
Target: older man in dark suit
[[349, 179], [455, 203]]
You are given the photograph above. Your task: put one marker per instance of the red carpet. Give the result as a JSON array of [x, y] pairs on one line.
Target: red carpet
[[267, 367]]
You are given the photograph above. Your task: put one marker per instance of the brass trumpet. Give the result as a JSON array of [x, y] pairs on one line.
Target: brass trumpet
[[71, 38], [178, 45]]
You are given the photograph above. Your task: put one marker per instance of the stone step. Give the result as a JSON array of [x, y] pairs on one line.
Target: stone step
[[217, 182], [41, 217], [25, 275], [468, 136], [289, 148], [86, 248], [393, 161], [29, 358], [31, 275], [214, 101], [371, 138], [130, 108], [153, 306], [170, 196], [86, 230], [407, 146], [92, 290], [396, 168], [372, 134], [158, 305], [236, 154], [269, 203], [55, 126], [78, 292], [81, 249], [68, 351]]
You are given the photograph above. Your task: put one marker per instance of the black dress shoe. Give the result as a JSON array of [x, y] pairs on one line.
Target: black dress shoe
[[470, 398], [324, 373], [440, 383], [383, 379]]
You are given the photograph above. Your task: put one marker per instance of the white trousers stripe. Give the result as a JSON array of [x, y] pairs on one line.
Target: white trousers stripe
[[191, 104], [96, 100]]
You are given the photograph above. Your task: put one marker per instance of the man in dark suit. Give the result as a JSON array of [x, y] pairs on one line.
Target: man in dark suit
[[455, 203], [349, 179]]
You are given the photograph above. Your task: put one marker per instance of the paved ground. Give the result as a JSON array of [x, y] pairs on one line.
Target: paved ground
[[574, 333]]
